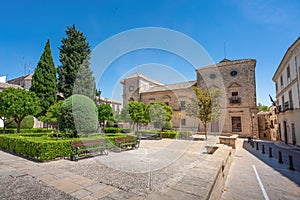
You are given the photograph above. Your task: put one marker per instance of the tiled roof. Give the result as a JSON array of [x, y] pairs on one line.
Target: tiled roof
[[21, 78], [225, 62], [137, 75], [7, 85], [175, 86]]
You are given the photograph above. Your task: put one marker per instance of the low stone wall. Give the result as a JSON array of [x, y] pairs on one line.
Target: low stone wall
[[229, 140], [205, 179], [225, 156]]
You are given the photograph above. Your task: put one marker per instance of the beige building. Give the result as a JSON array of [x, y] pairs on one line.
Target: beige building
[[114, 104], [268, 125], [234, 78], [23, 81], [287, 83]]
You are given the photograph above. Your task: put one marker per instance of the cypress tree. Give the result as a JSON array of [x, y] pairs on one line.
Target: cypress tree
[[44, 82], [74, 74]]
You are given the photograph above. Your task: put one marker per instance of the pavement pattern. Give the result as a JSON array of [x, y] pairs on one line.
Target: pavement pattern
[[254, 175], [118, 175]]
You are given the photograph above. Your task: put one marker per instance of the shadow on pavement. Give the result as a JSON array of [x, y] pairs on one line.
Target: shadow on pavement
[[293, 175]]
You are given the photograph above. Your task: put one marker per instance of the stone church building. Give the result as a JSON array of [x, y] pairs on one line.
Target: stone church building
[[234, 78]]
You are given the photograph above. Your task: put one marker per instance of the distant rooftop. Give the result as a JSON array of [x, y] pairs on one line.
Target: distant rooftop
[[137, 75], [8, 85], [175, 86]]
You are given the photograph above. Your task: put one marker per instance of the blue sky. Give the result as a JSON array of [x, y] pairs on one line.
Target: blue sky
[[260, 29]]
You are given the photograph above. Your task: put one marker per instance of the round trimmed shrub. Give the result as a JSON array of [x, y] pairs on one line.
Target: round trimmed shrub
[[78, 114]]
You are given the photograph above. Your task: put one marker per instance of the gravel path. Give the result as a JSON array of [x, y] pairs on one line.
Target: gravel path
[[140, 183], [27, 187]]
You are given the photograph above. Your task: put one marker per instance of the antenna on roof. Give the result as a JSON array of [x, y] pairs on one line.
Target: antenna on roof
[[224, 49]]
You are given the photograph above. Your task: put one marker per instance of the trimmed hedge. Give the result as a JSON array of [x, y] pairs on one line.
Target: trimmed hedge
[[165, 133], [44, 148], [35, 147], [169, 134], [112, 130], [31, 130]]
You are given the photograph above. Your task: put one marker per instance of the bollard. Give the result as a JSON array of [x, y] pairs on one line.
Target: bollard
[[257, 146], [270, 152], [280, 157], [263, 149], [291, 164]]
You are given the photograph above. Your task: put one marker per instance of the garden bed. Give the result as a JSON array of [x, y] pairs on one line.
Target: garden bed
[[44, 147]]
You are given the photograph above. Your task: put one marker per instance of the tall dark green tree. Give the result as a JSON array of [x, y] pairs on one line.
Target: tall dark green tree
[[74, 73], [44, 82]]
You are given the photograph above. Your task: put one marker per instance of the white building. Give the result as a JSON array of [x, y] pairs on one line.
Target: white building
[[287, 82]]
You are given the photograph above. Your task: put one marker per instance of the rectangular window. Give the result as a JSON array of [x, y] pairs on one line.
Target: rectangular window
[[290, 99], [276, 86], [183, 122], [281, 80], [293, 134], [236, 124], [282, 100], [288, 72], [182, 105], [234, 94]]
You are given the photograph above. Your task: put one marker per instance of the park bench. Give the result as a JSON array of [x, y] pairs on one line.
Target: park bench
[[125, 142], [87, 147]]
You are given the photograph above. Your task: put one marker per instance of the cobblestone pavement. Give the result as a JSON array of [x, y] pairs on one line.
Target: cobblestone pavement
[[254, 175], [169, 169]]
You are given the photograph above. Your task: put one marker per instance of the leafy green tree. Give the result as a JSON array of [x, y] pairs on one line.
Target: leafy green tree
[[52, 114], [160, 113], [124, 115], [262, 108], [205, 106], [4, 113], [137, 112], [105, 113], [78, 114], [27, 123], [20, 103], [44, 82], [74, 74]]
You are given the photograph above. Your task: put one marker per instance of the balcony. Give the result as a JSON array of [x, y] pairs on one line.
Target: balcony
[[288, 105], [235, 99]]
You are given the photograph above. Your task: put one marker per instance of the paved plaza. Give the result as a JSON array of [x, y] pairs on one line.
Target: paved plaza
[[168, 169], [159, 169]]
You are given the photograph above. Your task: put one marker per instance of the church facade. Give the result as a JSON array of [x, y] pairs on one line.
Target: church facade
[[234, 78]]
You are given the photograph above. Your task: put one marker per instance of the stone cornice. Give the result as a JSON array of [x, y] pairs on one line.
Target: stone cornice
[[286, 88]]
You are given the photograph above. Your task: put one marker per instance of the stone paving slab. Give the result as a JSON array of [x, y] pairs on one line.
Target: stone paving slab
[[191, 176]]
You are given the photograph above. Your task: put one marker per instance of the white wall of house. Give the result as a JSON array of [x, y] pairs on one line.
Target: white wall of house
[[2, 79], [289, 119], [1, 123]]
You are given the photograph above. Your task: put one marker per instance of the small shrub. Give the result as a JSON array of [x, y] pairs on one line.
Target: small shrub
[[167, 125], [110, 124], [126, 130]]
